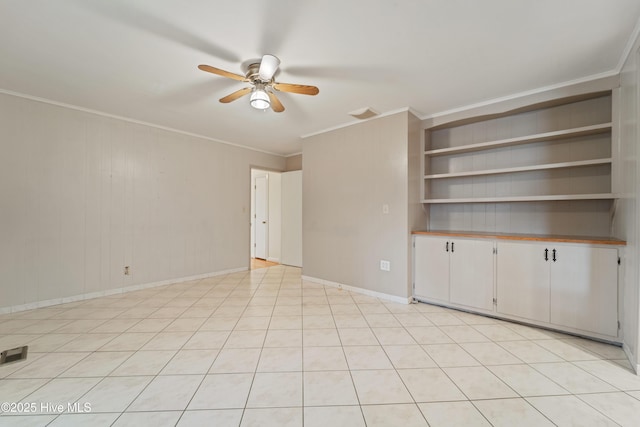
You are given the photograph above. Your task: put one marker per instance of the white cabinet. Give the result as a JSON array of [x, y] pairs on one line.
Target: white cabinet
[[458, 271], [471, 272], [431, 268], [523, 281], [572, 286], [584, 288], [562, 283]]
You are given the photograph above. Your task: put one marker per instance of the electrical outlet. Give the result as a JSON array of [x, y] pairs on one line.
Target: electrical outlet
[[385, 209], [126, 270], [385, 265]]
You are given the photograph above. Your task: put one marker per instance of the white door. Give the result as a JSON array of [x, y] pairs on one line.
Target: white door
[[472, 274], [431, 268], [262, 214], [291, 253], [523, 280], [584, 289]]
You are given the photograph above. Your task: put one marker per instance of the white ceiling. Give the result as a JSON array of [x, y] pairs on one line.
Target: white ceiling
[[138, 59]]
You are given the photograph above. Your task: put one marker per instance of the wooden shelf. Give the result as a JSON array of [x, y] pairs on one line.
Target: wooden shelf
[[599, 196], [526, 237], [547, 136], [574, 164]]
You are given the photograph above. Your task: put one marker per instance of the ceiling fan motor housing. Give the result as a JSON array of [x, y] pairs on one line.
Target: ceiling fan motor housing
[[253, 75]]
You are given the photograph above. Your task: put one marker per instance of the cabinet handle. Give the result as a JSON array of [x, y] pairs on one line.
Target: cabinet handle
[[546, 254], [554, 255], [447, 247], [452, 247]]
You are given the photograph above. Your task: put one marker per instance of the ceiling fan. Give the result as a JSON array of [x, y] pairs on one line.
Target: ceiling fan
[[261, 76]]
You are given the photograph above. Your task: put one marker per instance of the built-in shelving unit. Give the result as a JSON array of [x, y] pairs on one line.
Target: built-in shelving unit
[[535, 157], [538, 163], [535, 192]]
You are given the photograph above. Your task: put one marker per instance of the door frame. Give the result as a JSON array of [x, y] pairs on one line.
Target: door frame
[[273, 238], [261, 206]]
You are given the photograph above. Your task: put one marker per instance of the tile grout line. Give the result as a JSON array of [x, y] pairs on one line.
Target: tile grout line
[[240, 285], [353, 383], [154, 377]]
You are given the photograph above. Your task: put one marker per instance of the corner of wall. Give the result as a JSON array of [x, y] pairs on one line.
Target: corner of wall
[[628, 221], [293, 163]]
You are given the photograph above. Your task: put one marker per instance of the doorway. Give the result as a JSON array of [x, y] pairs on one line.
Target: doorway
[[265, 218]]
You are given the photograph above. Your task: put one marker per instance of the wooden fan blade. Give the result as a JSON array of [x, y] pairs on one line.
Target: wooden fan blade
[[223, 73], [276, 105], [301, 89], [235, 95]]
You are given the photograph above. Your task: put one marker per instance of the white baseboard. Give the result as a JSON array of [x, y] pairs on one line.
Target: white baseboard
[[107, 292], [273, 259], [368, 292], [635, 366]]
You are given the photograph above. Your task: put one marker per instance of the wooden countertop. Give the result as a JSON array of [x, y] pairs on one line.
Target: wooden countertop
[[526, 237]]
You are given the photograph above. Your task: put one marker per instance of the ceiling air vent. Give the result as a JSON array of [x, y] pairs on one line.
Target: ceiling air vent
[[364, 113]]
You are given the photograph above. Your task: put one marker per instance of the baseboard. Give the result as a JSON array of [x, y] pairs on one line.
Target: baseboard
[[627, 351], [368, 292], [273, 260], [107, 292]]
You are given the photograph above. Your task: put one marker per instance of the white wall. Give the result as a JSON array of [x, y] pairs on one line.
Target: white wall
[[627, 225], [275, 216], [83, 195], [349, 174], [292, 218]]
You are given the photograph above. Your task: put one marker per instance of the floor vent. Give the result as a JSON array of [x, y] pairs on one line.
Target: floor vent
[[14, 355]]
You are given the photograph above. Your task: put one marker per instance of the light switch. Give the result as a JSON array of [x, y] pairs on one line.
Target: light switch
[[385, 209]]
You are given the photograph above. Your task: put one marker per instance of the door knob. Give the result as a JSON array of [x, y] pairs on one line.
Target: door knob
[[264, 222]]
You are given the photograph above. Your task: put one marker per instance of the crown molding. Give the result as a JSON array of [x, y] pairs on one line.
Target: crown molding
[[633, 39], [520, 95], [355, 122], [129, 120]]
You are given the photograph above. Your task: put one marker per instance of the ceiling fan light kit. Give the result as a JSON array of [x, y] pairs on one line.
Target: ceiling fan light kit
[[268, 67], [259, 99], [261, 76]]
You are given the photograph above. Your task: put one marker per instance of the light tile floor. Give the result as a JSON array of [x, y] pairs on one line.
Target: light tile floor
[[262, 348]]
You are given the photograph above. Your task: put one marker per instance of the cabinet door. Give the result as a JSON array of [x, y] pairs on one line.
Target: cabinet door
[[523, 280], [431, 268], [584, 289], [471, 273]]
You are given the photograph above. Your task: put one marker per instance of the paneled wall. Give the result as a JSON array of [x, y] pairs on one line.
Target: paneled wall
[[83, 195]]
